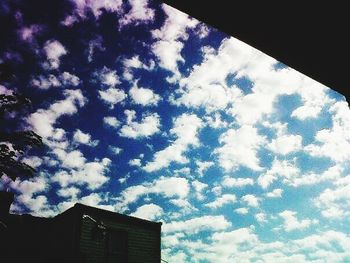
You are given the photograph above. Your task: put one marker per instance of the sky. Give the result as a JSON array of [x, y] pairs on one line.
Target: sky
[[148, 112]]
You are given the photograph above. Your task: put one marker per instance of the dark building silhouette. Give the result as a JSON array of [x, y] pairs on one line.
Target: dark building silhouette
[[80, 234]]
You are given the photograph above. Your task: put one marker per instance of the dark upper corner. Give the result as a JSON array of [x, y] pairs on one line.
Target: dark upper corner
[[311, 39]]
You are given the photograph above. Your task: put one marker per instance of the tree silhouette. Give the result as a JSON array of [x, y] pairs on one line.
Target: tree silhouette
[[14, 140]]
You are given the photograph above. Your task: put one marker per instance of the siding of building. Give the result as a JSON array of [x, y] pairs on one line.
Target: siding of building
[[71, 237], [143, 241]]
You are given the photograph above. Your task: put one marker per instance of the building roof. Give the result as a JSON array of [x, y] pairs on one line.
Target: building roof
[[99, 213]]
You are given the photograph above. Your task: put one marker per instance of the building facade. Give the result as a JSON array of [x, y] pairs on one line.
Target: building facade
[[82, 234]]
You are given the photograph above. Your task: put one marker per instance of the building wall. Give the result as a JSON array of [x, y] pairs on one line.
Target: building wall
[[143, 243]]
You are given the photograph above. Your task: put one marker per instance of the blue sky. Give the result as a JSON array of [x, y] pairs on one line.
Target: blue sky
[[148, 112]]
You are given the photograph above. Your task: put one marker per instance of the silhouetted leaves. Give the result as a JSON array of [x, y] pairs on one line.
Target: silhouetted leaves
[[13, 142]]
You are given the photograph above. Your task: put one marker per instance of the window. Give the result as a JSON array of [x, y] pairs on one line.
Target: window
[[117, 246]]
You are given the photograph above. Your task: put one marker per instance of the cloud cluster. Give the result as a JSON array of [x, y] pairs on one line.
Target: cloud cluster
[[149, 125], [43, 121], [290, 221], [53, 50], [168, 187], [169, 38], [143, 96], [63, 80], [240, 148], [185, 128]]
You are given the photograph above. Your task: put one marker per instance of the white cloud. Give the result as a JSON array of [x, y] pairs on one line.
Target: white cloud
[[222, 200], [261, 217], [84, 138], [197, 224], [43, 82], [54, 50], [202, 30], [112, 96], [91, 174], [310, 178], [203, 166], [95, 44], [80, 137], [28, 33], [278, 127], [334, 143], [185, 128], [176, 256], [93, 199], [233, 56], [46, 82], [139, 13], [33, 161], [32, 186], [70, 159], [69, 192], [115, 150], [68, 79], [111, 121], [250, 200], [242, 210], [135, 162], [215, 121], [168, 47], [236, 57], [289, 172], [127, 74], [210, 96], [286, 144], [314, 98], [165, 186], [148, 126], [326, 241], [306, 111], [135, 62], [236, 182], [4, 90], [335, 202], [217, 190], [83, 7], [143, 96], [275, 193], [243, 244], [334, 213], [292, 223], [30, 195], [286, 169], [123, 179], [169, 55], [43, 120], [172, 239], [108, 77], [224, 246], [239, 148], [183, 171], [148, 212], [199, 188], [186, 207], [175, 25]]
